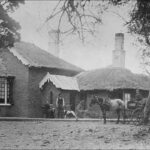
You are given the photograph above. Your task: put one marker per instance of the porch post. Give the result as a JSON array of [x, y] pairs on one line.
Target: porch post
[[125, 106], [123, 95]]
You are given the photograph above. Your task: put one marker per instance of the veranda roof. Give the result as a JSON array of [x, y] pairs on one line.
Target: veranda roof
[[111, 78], [62, 82]]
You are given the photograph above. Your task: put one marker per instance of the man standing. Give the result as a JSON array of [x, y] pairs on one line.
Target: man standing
[[138, 98], [60, 106]]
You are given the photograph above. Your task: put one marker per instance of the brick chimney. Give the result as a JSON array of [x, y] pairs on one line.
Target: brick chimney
[[54, 43], [118, 58]]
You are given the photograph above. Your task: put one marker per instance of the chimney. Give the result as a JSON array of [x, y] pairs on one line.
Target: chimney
[[118, 59], [54, 42], [119, 41]]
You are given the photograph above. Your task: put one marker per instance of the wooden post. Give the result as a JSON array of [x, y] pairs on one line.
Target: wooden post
[[124, 105]]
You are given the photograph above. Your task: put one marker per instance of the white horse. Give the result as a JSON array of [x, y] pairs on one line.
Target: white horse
[[116, 105]]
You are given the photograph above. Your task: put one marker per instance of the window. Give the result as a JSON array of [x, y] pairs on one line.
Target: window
[[51, 97], [5, 91], [127, 97]]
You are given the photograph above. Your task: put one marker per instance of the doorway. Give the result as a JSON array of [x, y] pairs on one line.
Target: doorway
[[51, 97], [72, 100]]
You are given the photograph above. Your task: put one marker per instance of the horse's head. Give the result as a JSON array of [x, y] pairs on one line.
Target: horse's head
[[96, 100], [100, 100], [93, 101]]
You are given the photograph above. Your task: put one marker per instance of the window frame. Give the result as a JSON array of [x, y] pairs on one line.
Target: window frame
[[7, 81], [127, 96]]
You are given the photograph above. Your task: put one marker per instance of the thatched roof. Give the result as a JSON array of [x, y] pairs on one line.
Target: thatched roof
[[3, 70], [33, 56], [112, 78]]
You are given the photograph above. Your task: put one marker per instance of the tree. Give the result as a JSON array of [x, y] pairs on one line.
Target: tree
[[8, 26], [77, 16], [80, 16], [83, 15], [147, 110], [82, 19]]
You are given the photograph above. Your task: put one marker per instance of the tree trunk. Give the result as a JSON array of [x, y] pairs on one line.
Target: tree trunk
[[147, 110]]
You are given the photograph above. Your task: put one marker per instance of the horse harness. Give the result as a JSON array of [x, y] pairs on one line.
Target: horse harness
[[120, 104], [105, 104]]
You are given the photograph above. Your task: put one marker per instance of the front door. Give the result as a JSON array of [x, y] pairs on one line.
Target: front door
[[72, 100]]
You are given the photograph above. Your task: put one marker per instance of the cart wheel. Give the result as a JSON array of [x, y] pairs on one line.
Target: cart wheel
[[129, 114], [137, 115], [132, 117]]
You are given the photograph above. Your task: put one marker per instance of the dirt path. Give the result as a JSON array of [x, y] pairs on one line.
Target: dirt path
[[72, 135]]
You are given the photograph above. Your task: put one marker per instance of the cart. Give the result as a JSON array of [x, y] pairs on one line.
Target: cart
[[135, 112]]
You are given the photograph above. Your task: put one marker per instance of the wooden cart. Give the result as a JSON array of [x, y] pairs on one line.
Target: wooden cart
[[135, 112]]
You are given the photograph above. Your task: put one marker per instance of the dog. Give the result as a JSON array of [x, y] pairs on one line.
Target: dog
[[70, 114]]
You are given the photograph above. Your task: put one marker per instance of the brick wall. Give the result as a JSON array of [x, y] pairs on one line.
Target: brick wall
[[45, 93], [49, 87], [20, 87]]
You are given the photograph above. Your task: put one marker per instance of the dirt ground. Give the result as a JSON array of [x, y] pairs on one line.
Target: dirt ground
[[72, 135]]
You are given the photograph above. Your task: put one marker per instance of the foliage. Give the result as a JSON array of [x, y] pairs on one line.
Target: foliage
[[140, 25], [140, 20], [8, 26]]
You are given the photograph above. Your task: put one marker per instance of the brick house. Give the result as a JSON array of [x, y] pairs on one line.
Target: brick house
[[22, 69]]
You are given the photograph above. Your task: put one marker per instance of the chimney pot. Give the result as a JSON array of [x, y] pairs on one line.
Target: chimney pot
[[119, 41], [54, 42]]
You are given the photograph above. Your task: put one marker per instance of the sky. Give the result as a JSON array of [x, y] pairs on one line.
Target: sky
[[96, 53]]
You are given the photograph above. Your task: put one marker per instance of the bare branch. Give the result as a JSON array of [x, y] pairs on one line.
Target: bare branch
[[63, 11], [126, 22], [53, 15], [77, 18], [81, 25]]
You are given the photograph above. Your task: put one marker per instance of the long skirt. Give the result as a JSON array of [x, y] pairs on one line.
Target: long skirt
[[60, 112]]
